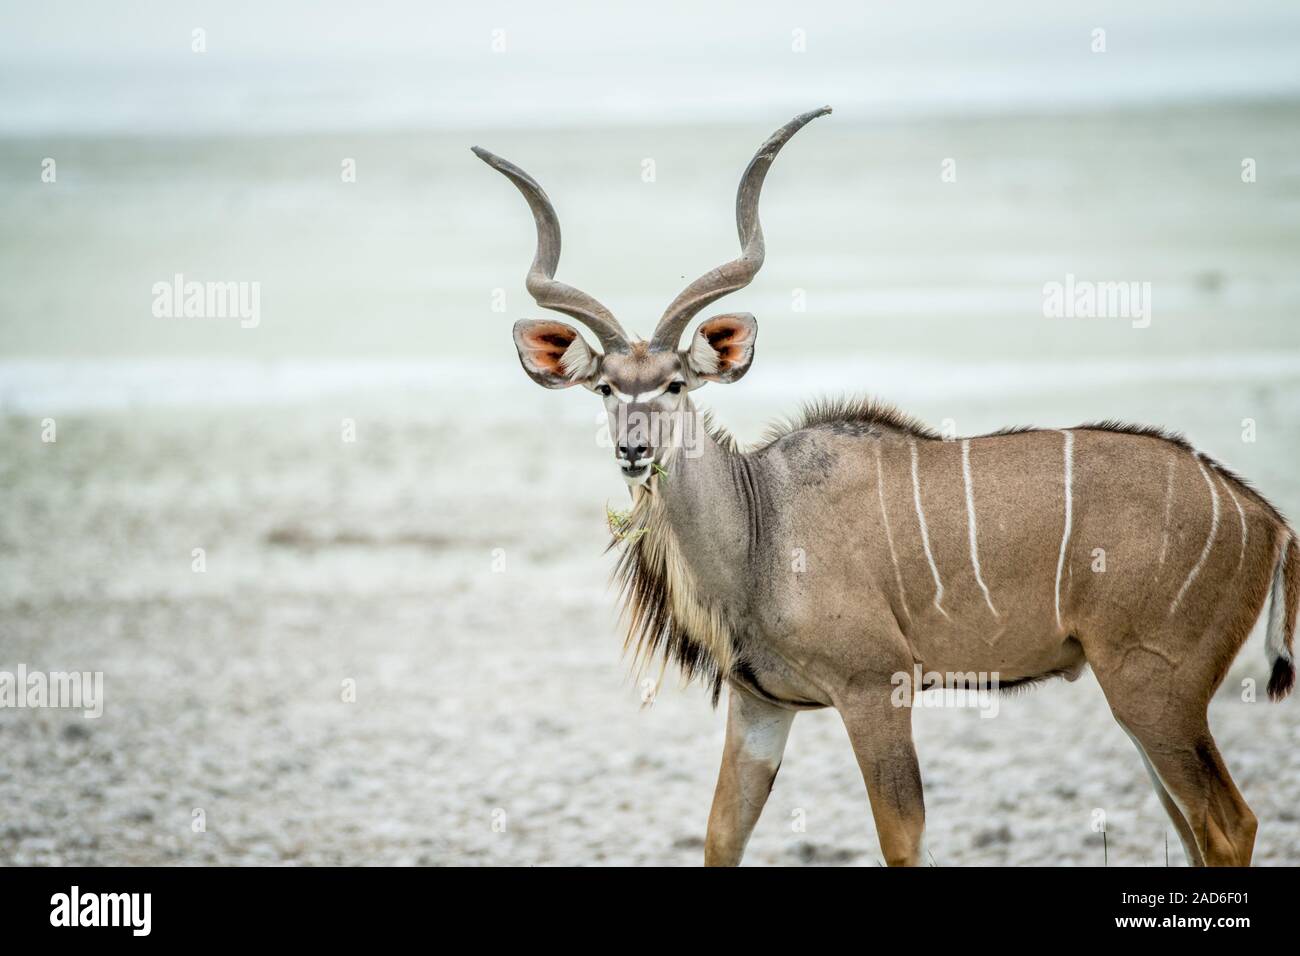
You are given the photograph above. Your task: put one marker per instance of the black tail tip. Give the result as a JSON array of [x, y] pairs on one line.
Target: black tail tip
[[1282, 680]]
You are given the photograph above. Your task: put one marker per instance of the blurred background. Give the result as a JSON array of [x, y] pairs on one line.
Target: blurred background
[[401, 646]]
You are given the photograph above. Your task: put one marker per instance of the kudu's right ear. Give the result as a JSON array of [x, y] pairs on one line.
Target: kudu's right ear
[[554, 354]]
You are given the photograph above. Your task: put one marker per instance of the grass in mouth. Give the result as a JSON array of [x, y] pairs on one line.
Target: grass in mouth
[[620, 524]]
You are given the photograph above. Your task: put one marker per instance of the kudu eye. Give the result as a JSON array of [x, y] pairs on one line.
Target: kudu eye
[[676, 387], [604, 389]]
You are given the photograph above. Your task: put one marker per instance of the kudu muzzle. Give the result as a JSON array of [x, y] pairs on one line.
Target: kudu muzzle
[[634, 446]]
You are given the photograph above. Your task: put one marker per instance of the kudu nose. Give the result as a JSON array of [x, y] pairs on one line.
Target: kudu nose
[[633, 453]]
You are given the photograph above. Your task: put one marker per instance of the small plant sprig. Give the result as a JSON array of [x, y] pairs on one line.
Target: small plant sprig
[[620, 524], [660, 470]]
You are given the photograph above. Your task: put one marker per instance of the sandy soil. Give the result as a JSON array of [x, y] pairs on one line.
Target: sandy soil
[[494, 721]]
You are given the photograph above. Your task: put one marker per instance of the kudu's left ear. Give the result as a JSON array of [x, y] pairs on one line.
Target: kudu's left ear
[[722, 348], [554, 354]]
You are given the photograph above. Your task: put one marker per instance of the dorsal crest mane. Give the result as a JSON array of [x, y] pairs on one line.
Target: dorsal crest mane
[[866, 414]]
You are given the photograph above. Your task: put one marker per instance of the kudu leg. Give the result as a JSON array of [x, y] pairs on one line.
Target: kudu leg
[[1197, 779], [1191, 851], [881, 735], [756, 735], [1175, 737]]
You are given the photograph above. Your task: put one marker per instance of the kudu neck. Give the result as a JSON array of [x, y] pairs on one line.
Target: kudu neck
[[711, 501]]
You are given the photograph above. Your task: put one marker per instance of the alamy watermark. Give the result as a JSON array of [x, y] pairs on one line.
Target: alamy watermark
[[918, 688], [1084, 299], [133, 911], [59, 690], [685, 430], [179, 299]]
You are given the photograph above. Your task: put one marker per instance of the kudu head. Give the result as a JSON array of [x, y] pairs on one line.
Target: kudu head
[[643, 384]]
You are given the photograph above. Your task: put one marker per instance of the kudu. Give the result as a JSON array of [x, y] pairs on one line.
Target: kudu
[[962, 556]]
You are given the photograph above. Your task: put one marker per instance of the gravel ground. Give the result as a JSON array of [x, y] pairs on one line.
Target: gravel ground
[[494, 721]]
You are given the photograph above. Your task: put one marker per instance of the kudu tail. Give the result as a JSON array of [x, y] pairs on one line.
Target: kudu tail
[[1280, 645]]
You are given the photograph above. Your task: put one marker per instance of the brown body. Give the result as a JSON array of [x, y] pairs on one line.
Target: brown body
[[858, 547], [1141, 515], [1162, 570]]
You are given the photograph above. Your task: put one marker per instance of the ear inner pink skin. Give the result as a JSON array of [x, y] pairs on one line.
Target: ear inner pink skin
[[729, 340], [542, 347], [548, 344]]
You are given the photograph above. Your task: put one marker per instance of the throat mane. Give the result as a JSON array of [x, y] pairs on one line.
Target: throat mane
[[663, 612]]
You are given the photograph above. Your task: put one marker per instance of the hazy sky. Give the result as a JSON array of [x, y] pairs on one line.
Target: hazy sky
[[304, 64]]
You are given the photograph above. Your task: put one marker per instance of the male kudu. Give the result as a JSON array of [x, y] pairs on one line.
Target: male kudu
[[970, 555]]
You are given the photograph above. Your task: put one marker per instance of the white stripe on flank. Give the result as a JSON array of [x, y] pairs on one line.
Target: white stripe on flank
[[970, 523], [925, 535], [1209, 540], [1069, 517], [889, 538], [1169, 500], [1227, 486]]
